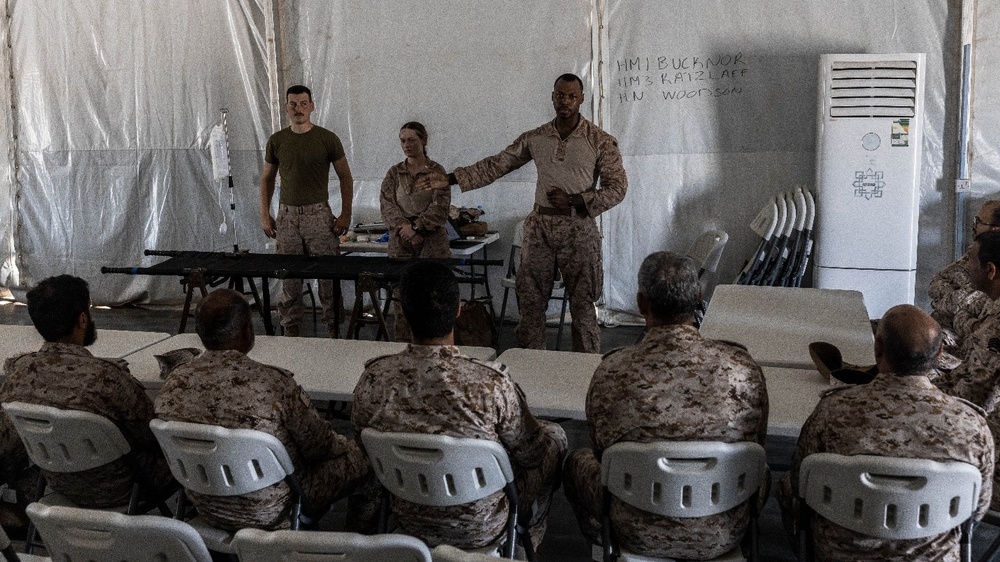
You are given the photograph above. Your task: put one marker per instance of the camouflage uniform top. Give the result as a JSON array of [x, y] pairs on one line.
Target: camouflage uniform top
[[957, 307], [228, 388], [891, 416], [676, 385], [69, 377], [436, 389], [400, 201], [572, 164], [976, 378]]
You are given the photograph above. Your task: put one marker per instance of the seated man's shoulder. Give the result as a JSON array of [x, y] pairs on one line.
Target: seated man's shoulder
[[971, 407], [450, 361], [40, 359], [613, 352], [730, 345], [493, 368]]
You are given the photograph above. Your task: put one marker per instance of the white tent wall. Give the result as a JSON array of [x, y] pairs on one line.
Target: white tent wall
[[8, 254], [476, 73], [714, 103], [985, 142], [115, 100]]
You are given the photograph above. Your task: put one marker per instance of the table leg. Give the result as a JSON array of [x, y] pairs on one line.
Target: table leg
[[193, 280], [265, 307]]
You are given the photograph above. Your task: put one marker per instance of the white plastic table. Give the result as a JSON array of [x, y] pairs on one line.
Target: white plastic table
[[328, 369], [777, 324]]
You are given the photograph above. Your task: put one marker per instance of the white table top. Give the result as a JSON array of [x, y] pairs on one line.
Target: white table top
[[328, 369], [793, 395], [777, 324], [472, 245], [556, 382], [110, 343]]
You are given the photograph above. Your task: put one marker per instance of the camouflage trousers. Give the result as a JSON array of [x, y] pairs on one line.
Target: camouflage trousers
[[571, 245], [481, 523], [323, 483], [435, 246], [306, 229], [642, 532]]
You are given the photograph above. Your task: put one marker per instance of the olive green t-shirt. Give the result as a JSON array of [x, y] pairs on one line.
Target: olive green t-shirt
[[303, 162]]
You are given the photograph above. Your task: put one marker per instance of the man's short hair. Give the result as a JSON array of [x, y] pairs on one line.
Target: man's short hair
[[989, 248], [905, 344], [299, 89], [569, 77], [55, 305], [429, 295], [995, 215], [221, 319], [670, 284]]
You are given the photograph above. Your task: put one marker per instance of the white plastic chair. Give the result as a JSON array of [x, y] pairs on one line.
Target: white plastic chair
[[448, 553], [216, 461], [888, 497], [707, 249], [439, 470], [80, 535], [255, 545], [510, 282], [7, 551], [681, 479], [63, 441]]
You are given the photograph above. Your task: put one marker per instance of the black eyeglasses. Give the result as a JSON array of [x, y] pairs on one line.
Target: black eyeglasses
[[976, 222]]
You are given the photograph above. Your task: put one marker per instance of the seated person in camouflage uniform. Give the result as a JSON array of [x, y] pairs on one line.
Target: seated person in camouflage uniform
[[958, 306], [432, 388], [674, 385], [222, 386], [976, 378], [899, 414], [63, 374]]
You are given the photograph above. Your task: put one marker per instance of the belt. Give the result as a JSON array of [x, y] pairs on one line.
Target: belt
[[567, 212], [301, 209]]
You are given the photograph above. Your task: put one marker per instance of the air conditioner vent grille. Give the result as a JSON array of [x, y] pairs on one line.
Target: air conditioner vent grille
[[873, 89]]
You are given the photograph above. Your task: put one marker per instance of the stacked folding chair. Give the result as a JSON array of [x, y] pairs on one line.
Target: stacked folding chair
[[785, 226]]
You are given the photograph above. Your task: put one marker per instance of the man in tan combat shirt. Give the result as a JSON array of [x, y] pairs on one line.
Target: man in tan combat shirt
[[432, 388], [580, 175], [222, 386], [674, 385], [63, 374], [899, 414]]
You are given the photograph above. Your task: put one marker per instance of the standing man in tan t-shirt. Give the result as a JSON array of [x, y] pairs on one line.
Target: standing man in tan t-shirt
[[580, 175], [303, 153]]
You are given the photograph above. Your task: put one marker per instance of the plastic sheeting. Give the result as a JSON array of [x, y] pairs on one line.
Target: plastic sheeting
[[715, 106], [8, 254], [115, 101]]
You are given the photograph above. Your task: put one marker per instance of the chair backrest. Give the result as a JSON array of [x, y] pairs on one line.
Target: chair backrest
[[448, 553], [73, 534], [437, 470], [889, 497], [683, 478], [255, 545], [213, 460], [707, 249], [66, 440]]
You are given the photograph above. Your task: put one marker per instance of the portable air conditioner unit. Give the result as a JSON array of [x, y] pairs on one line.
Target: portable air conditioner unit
[[868, 150]]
